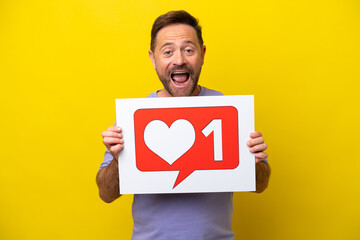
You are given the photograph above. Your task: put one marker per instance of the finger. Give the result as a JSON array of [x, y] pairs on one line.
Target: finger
[[108, 141], [255, 134], [114, 129], [260, 156], [255, 141], [114, 150], [111, 134], [258, 148]]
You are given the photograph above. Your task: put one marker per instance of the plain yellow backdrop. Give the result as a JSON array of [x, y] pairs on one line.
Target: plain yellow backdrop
[[64, 62]]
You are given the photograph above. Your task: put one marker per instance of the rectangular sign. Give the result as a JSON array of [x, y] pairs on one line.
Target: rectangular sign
[[187, 144]]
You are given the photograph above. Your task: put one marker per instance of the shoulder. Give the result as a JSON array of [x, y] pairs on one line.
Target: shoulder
[[209, 92], [152, 95]]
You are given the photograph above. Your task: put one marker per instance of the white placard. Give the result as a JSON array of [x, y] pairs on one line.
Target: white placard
[[186, 144]]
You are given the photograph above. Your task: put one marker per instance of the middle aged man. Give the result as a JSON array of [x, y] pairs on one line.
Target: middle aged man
[[177, 54]]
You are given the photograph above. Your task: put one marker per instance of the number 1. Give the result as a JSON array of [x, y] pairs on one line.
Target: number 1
[[215, 126]]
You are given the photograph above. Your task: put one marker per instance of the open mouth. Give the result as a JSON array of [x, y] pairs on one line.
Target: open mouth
[[180, 78]]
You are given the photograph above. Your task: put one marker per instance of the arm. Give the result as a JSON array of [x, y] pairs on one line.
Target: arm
[[258, 146], [107, 178], [262, 176]]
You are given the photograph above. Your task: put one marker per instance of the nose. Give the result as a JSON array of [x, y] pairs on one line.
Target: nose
[[179, 58]]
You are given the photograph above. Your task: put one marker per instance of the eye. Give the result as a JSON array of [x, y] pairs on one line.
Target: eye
[[167, 52], [188, 50]]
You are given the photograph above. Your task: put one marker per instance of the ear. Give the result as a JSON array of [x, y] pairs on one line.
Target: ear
[[203, 51], [152, 57]]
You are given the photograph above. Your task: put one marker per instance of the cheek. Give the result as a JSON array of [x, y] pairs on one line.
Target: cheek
[[162, 69], [196, 62], [162, 65], [196, 65]]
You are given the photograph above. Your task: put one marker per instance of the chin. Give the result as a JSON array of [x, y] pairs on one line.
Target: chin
[[184, 92]]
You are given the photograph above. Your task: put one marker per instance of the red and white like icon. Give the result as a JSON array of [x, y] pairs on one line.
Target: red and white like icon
[[186, 139]]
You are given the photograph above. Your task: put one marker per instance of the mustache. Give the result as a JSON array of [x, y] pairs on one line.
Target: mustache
[[181, 68]]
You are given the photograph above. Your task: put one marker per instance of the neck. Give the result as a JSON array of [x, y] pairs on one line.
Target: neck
[[196, 91]]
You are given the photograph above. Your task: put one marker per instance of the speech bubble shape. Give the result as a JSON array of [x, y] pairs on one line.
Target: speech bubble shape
[[204, 153]]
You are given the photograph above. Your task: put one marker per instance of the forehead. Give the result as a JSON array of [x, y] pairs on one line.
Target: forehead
[[176, 34]]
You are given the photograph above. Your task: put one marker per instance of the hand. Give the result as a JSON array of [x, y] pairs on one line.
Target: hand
[[257, 146], [113, 140]]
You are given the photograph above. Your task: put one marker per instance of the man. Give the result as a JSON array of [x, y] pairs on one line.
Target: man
[[177, 53]]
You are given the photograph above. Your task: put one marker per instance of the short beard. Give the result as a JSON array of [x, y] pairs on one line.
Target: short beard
[[166, 82]]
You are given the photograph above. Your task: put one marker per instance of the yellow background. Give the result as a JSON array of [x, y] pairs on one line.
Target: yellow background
[[63, 62]]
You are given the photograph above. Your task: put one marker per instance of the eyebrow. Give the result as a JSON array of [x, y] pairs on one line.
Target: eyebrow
[[171, 43], [166, 44]]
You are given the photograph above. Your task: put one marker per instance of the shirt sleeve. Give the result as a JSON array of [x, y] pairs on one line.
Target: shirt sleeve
[[107, 159]]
